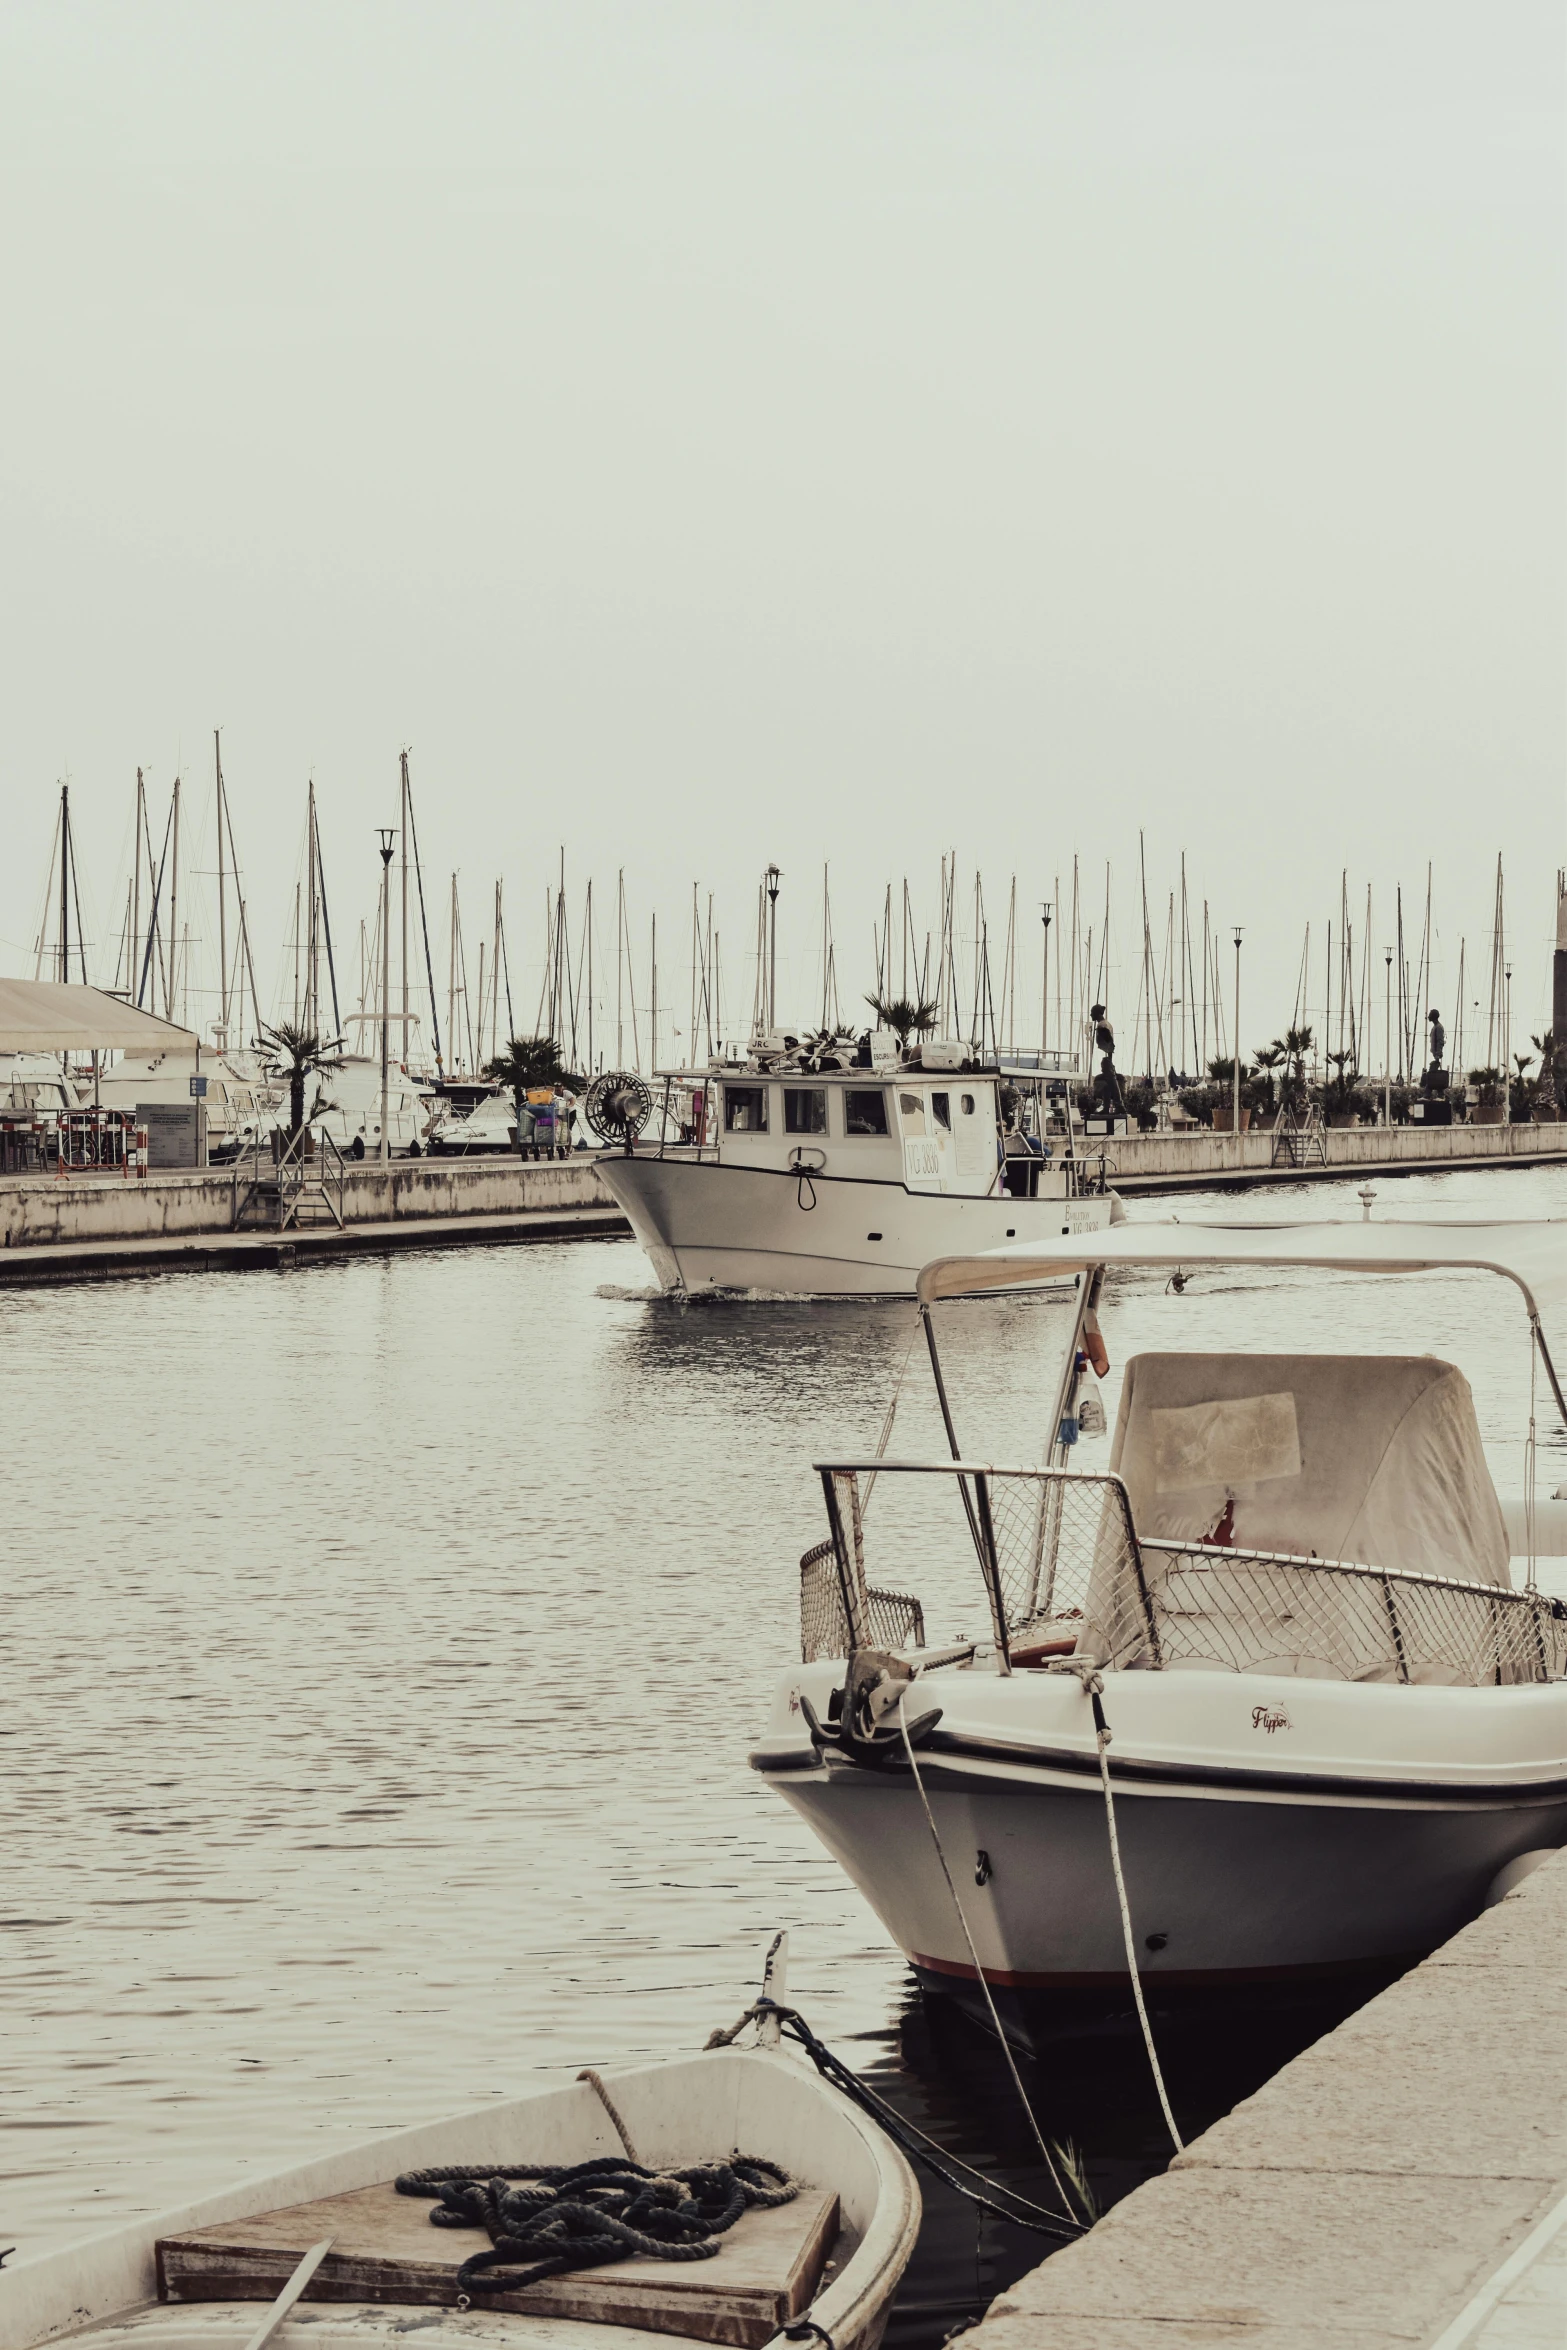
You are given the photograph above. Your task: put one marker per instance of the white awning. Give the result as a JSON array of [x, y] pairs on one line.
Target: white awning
[[1534, 1255], [47, 1016]]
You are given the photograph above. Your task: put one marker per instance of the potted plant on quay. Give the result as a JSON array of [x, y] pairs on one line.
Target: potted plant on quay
[[1223, 1074]]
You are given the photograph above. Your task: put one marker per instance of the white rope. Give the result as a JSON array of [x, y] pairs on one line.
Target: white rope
[[1528, 1450], [1093, 1688], [1006, 2045]]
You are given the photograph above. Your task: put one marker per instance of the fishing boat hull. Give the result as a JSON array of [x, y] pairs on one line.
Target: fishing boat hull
[[1359, 1830], [700, 2108], [709, 1225]]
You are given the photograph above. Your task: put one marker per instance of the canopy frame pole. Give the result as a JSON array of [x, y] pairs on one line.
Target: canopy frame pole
[[1550, 1367], [979, 1522], [1087, 1300]]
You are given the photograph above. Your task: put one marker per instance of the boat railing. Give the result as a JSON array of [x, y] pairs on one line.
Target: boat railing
[[1065, 1575]]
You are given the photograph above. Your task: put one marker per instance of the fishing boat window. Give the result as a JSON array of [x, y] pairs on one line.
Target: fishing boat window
[[968, 1105], [912, 1111], [864, 1112], [805, 1109], [745, 1109], [941, 1110]]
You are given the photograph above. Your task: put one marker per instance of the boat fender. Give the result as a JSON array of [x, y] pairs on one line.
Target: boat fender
[[1508, 1878], [1093, 1344]]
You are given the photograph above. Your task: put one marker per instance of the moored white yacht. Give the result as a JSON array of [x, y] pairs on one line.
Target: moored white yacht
[[819, 1177], [1336, 1703]]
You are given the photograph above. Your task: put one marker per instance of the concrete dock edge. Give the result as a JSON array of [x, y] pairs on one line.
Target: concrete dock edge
[[1367, 2193]]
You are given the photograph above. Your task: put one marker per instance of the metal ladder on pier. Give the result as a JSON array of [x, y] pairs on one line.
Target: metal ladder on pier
[[1299, 1139], [296, 1179]]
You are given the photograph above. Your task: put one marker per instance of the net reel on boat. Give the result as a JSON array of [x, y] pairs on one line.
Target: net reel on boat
[[617, 1106]]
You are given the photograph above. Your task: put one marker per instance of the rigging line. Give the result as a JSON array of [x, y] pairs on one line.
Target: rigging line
[[331, 967], [76, 894], [152, 917], [1006, 2045], [885, 1438], [429, 967]]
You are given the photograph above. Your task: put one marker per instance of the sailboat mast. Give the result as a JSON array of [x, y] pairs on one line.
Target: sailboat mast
[[402, 836], [223, 927], [174, 911], [65, 880]]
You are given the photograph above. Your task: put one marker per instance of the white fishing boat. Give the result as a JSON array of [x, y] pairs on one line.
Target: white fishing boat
[[367, 2267], [1282, 1647], [844, 1180]]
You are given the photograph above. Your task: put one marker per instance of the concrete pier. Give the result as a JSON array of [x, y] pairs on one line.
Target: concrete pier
[[1204, 1160], [85, 1227], [1402, 2183]]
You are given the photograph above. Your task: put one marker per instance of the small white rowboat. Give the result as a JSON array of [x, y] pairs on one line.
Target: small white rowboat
[[199, 2278]]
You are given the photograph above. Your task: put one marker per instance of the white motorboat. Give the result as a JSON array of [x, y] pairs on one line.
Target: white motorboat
[[1335, 1702], [835, 1181], [375, 2270], [349, 1108]]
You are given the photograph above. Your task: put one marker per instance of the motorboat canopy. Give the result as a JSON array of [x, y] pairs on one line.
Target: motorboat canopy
[[1321, 1456], [1532, 1255]]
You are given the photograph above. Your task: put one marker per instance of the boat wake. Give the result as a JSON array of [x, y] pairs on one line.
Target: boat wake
[[623, 1293]]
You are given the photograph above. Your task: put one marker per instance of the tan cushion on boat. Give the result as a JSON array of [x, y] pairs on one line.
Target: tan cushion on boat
[[1375, 1458]]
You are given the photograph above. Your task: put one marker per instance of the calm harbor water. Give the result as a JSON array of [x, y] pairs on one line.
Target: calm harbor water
[[381, 1647]]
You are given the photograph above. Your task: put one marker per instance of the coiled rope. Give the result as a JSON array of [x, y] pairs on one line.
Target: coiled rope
[[544, 2221]]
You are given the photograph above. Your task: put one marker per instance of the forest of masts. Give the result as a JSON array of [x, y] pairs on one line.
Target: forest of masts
[[1010, 976]]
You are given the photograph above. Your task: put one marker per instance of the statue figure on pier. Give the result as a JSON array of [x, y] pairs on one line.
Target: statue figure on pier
[[1112, 1101], [1434, 1082]]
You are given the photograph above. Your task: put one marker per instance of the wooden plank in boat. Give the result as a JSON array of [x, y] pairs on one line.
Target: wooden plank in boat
[[385, 2249]]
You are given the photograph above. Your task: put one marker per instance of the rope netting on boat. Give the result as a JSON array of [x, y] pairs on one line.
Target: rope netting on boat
[[1065, 1573]]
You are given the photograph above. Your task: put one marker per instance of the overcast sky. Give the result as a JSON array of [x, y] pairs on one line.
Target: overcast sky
[[718, 433]]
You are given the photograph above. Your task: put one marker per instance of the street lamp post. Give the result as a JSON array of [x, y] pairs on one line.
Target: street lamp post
[[1507, 1044], [1235, 1099], [774, 876], [386, 986], [1387, 1043]]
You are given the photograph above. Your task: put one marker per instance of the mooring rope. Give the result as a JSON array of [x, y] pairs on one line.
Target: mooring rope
[[1093, 1687], [952, 2171], [551, 2220], [1006, 2045]]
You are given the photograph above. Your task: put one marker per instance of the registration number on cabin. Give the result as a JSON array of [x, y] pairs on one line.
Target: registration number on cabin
[[921, 1161]]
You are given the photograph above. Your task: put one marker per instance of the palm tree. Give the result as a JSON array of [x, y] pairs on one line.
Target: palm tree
[[1297, 1044], [1519, 1105], [292, 1053], [902, 1017], [1346, 1076], [1549, 1089], [1268, 1057], [528, 1064]]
